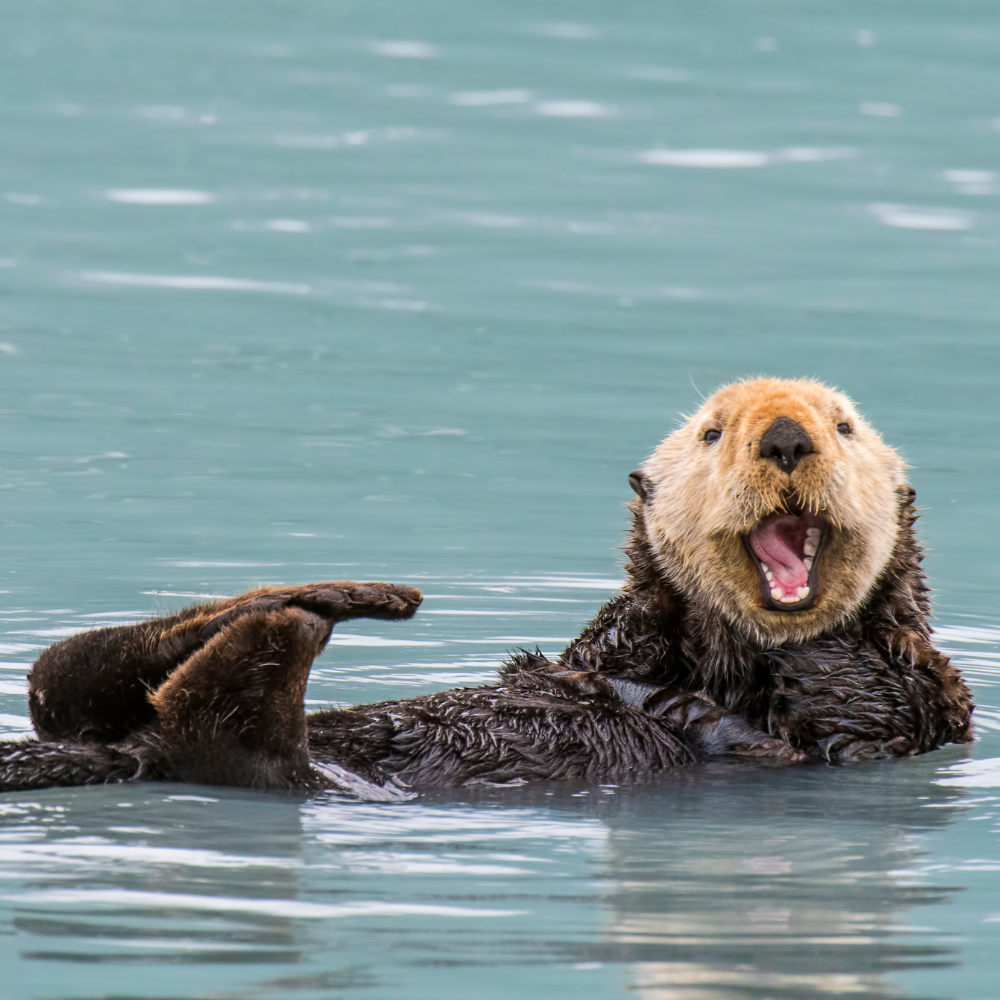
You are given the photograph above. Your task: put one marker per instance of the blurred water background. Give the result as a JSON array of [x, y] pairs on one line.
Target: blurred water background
[[301, 290]]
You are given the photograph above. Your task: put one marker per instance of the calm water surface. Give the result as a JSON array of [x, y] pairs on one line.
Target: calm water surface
[[303, 290]]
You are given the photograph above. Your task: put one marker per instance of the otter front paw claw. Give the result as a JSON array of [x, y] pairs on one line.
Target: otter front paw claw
[[769, 749], [732, 735], [844, 748]]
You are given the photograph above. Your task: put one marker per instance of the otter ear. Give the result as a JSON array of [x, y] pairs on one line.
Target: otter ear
[[639, 483], [907, 494]]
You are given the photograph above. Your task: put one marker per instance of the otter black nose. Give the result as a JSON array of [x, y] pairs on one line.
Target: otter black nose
[[786, 442]]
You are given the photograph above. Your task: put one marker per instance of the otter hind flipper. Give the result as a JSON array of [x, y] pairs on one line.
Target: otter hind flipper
[[212, 694], [232, 713], [95, 685], [334, 600], [31, 764], [340, 601]]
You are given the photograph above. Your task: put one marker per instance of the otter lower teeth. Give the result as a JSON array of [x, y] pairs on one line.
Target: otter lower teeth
[[809, 562], [779, 595]]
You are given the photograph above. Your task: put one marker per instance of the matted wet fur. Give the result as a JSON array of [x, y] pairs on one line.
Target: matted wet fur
[[775, 609]]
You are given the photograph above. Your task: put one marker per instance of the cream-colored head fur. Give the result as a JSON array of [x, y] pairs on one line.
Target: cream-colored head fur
[[703, 496]]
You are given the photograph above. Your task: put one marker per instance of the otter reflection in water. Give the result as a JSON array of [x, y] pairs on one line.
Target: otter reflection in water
[[744, 883], [775, 608], [712, 882]]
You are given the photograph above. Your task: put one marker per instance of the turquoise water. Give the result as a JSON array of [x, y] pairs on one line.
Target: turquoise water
[[293, 291]]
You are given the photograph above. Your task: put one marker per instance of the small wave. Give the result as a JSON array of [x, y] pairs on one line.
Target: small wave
[[115, 614], [415, 824], [517, 638], [341, 140], [18, 647], [103, 855], [60, 633], [287, 226], [490, 98], [880, 109], [711, 159], [15, 725], [741, 159], [568, 581], [934, 219], [567, 31], [193, 282], [292, 908], [986, 718], [439, 677], [182, 593], [575, 109], [501, 614], [217, 564], [401, 863], [971, 774], [404, 49], [160, 196], [966, 633], [350, 639], [977, 182]]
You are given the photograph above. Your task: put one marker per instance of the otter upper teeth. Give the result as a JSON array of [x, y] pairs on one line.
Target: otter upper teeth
[[812, 541]]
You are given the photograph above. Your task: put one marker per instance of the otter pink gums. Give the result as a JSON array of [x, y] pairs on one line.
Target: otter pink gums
[[775, 608]]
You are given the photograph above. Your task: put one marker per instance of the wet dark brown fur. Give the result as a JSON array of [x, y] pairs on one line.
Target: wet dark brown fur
[[874, 685], [214, 694]]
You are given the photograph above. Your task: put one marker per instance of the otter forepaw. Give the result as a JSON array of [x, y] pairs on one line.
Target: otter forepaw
[[341, 601], [847, 749], [733, 736]]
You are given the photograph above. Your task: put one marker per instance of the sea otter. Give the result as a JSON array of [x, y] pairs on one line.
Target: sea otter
[[775, 608]]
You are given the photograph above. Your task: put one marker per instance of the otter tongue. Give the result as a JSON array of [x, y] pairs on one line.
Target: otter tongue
[[779, 541]]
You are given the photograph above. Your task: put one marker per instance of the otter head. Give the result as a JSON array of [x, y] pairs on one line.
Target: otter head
[[776, 504]]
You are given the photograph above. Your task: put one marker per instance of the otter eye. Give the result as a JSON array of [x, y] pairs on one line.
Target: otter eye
[[843, 429], [711, 436]]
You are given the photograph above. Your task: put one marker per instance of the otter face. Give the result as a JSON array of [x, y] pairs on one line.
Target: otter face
[[776, 504]]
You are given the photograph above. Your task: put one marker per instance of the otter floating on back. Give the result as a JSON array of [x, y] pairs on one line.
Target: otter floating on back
[[775, 608]]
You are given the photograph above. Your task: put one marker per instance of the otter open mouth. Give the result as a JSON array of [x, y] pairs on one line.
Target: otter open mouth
[[784, 546]]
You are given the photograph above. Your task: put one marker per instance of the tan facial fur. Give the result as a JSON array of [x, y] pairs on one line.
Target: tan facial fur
[[702, 498]]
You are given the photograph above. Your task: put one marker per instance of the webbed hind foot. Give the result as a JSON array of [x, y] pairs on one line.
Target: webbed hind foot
[[341, 601], [334, 601], [95, 686]]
